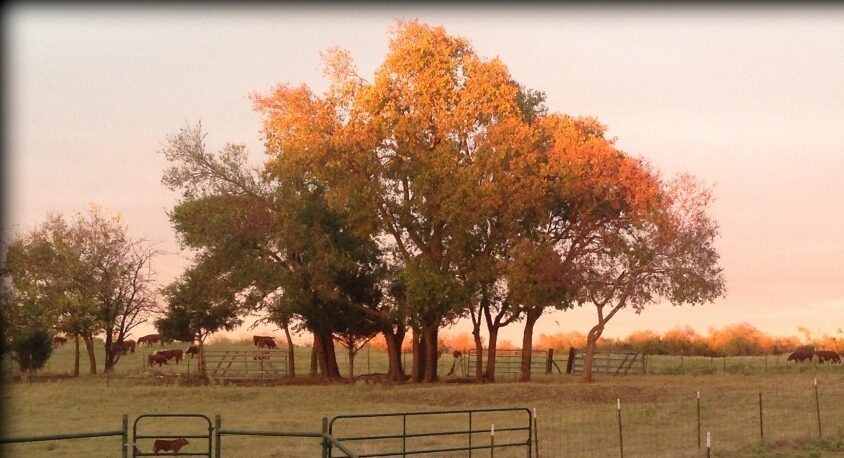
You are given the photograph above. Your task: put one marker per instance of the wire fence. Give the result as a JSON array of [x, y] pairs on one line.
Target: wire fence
[[678, 427]]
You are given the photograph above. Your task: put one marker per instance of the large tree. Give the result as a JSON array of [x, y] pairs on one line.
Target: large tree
[[284, 251], [401, 155]]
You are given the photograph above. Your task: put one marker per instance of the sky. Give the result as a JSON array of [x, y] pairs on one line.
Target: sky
[[749, 99]]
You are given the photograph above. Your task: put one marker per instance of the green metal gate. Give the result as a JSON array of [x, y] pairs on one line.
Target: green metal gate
[[477, 435], [208, 438]]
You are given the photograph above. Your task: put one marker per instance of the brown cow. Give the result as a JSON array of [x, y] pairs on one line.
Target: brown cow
[[826, 355], [171, 354], [156, 359], [256, 340], [150, 339], [801, 355], [267, 342], [59, 340], [192, 350], [125, 346], [173, 445]]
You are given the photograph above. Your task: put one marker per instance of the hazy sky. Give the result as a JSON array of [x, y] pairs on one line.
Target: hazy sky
[[748, 99]]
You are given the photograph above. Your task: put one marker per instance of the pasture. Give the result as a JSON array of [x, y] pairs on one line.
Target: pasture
[[659, 412]]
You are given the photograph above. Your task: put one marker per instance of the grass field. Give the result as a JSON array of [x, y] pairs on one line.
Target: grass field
[[658, 415]]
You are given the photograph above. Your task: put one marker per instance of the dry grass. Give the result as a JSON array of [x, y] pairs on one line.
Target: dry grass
[[658, 411]]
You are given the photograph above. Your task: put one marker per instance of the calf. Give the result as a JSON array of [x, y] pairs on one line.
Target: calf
[[173, 445], [59, 340], [156, 359], [171, 354], [192, 350], [826, 355]]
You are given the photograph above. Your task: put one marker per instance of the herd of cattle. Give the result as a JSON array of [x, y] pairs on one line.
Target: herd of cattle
[[162, 357], [807, 355]]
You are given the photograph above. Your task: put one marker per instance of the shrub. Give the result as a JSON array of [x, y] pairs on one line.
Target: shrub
[[33, 349]]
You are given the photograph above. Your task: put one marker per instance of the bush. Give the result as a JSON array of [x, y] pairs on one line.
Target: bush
[[33, 349]]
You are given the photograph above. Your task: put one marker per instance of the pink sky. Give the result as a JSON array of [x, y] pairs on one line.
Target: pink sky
[[750, 100]]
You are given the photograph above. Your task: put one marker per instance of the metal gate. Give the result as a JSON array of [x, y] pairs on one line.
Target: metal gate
[[145, 444]]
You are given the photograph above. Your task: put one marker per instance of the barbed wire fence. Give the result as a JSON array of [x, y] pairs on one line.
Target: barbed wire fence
[[678, 427]]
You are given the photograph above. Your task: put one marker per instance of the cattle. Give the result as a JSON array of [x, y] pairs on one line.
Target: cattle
[[256, 340], [59, 340], [171, 354], [266, 342], [125, 347], [826, 355], [192, 350], [150, 339], [800, 355], [173, 445], [156, 359]]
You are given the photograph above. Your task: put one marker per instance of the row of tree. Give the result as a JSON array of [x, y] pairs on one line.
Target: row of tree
[[440, 190]]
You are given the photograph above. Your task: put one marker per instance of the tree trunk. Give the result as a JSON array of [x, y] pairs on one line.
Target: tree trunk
[[479, 349], [492, 349], [76, 356], [326, 357], [314, 352], [291, 361], [352, 352], [200, 366], [92, 359], [431, 354], [394, 339], [591, 341], [527, 344], [417, 371]]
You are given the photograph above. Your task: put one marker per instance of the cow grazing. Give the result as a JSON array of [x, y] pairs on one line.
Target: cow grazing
[[266, 342], [800, 355], [150, 339], [256, 340], [125, 347], [156, 359], [171, 354], [826, 355], [192, 350], [166, 445], [59, 340]]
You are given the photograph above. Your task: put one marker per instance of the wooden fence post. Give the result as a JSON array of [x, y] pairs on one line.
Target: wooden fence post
[[550, 361], [620, 435]]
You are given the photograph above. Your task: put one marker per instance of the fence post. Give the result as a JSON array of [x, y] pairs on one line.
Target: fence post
[[550, 361], [620, 436], [761, 425], [535, 434], [218, 426], [326, 444], [125, 435], [492, 440], [708, 444], [818, 408], [698, 420]]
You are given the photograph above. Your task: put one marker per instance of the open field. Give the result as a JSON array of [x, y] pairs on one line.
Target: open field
[[659, 412]]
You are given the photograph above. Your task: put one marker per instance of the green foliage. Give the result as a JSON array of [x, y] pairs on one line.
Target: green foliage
[[32, 348]]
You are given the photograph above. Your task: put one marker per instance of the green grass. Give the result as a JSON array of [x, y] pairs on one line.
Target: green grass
[[659, 412]]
